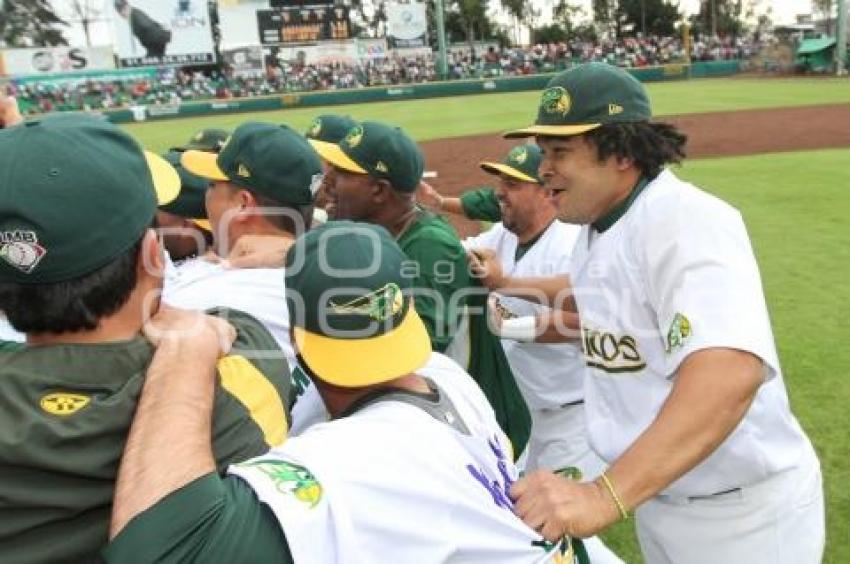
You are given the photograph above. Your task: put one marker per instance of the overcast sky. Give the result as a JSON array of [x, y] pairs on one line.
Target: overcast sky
[[784, 12]]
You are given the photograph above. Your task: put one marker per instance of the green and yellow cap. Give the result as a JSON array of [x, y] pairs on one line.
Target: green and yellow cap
[[191, 201], [350, 305], [586, 97], [328, 129], [210, 140], [75, 193], [381, 151], [522, 163], [270, 160]]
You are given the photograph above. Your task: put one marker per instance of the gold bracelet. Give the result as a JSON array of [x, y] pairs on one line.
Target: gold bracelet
[[610, 487]]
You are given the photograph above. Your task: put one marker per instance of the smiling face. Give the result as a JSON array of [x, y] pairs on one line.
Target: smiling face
[[520, 203], [585, 187], [349, 194]]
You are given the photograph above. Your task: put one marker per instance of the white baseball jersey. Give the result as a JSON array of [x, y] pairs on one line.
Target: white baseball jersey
[[259, 292], [674, 275], [8, 333], [391, 483], [549, 375]]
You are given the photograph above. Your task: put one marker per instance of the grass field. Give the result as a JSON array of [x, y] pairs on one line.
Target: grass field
[[796, 207], [488, 113]]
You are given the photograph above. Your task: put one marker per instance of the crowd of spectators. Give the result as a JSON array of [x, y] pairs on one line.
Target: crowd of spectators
[[173, 86]]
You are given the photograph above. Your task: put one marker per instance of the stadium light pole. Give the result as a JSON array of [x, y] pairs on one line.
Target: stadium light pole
[[841, 39], [442, 62]]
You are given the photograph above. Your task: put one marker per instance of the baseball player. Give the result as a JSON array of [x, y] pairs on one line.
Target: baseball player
[[684, 394], [183, 223], [325, 130], [375, 172], [412, 468], [80, 269], [263, 183], [480, 203]]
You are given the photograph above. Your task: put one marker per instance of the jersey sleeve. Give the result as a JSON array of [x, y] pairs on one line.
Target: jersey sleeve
[[704, 284], [209, 520], [253, 393], [481, 204], [441, 275], [487, 239]]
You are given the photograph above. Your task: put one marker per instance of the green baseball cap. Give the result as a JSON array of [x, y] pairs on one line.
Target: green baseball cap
[[350, 305], [75, 193], [381, 151], [586, 97], [191, 201], [270, 160], [211, 140], [522, 163], [328, 129]]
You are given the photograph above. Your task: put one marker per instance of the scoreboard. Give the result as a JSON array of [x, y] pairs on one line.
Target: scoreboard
[[303, 24]]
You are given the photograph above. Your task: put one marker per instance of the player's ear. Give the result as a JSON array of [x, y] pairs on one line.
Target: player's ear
[[151, 259], [381, 190]]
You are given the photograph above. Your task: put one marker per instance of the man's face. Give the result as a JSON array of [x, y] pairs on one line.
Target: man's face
[[349, 194], [585, 188], [222, 197], [520, 202]]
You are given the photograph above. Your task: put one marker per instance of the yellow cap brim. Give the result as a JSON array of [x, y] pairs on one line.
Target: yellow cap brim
[[203, 164], [501, 168], [202, 223], [335, 156], [166, 181], [550, 130], [353, 363]]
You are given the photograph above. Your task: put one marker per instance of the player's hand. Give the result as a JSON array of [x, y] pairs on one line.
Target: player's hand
[[486, 267], [428, 196], [9, 113], [203, 335], [556, 506], [258, 251]]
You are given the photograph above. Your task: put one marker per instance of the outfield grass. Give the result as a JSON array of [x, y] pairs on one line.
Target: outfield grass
[[796, 206], [490, 113]]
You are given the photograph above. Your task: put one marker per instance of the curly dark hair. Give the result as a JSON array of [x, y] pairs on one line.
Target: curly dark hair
[[651, 145]]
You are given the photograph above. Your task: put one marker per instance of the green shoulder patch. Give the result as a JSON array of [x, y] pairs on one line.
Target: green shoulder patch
[[290, 478], [555, 100], [680, 330]]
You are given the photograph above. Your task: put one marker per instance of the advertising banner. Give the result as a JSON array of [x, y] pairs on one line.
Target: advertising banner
[[51, 60], [245, 61], [407, 25], [162, 32], [303, 25]]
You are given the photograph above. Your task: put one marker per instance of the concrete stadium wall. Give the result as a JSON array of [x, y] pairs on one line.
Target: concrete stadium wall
[[403, 92]]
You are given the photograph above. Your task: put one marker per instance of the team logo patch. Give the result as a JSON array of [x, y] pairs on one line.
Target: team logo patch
[[289, 478], [680, 330], [243, 171], [63, 404], [379, 305], [315, 128], [555, 100], [518, 155], [20, 249], [614, 109], [354, 137]]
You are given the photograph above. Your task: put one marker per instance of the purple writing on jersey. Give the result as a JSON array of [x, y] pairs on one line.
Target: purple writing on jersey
[[499, 491]]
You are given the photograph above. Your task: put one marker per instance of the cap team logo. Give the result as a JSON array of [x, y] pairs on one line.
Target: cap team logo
[[20, 249], [555, 100], [354, 137], [518, 155], [315, 128], [63, 404], [199, 137], [379, 305]]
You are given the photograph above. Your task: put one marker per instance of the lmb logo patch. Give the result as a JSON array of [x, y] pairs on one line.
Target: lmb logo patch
[[63, 404]]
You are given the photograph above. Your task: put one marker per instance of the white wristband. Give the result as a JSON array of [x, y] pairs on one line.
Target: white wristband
[[519, 329]]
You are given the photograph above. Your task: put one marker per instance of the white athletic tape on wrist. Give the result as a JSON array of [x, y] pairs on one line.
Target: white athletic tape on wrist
[[519, 329]]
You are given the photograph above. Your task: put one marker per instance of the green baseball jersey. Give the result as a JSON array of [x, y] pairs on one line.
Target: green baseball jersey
[[481, 204], [65, 411], [441, 269]]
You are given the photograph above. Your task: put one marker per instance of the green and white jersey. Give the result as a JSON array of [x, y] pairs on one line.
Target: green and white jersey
[[675, 274], [391, 483], [65, 411]]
